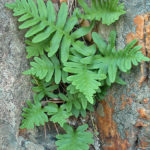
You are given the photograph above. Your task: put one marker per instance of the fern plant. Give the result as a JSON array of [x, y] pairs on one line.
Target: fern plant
[[110, 60], [60, 115], [45, 68], [33, 115], [76, 103], [75, 139], [42, 23], [68, 70], [44, 89], [107, 10]]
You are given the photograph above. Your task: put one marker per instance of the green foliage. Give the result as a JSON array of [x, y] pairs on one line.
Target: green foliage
[[75, 102], [36, 49], [74, 139], [33, 115], [45, 68], [65, 69], [107, 10], [84, 80], [44, 89], [59, 115], [110, 60], [42, 24]]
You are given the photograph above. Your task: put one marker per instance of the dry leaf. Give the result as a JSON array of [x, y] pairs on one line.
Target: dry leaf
[[85, 23]]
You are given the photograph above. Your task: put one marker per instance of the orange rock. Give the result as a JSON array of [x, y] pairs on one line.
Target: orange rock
[[63, 1], [145, 100], [127, 101], [130, 37], [140, 124], [86, 23], [130, 100], [108, 130], [143, 114], [123, 105], [148, 39], [142, 23], [139, 21], [122, 97]]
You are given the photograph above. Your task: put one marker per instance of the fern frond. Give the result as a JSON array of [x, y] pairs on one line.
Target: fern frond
[[44, 89], [45, 68], [110, 60], [41, 68], [58, 114], [33, 115], [84, 80], [75, 102], [42, 23], [36, 49], [107, 10], [77, 139]]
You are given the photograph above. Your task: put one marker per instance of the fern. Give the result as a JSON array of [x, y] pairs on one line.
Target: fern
[[107, 10], [45, 68], [58, 115], [33, 115], [75, 102], [44, 89], [36, 49], [110, 60], [74, 139], [64, 67], [84, 80], [41, 20]]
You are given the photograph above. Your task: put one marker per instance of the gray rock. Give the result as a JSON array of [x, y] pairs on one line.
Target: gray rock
[[128, 110], [15, 88]]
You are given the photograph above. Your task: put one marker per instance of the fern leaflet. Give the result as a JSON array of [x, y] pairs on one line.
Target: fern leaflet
[[58, 115], [74, 139], [45, 68], [107, 10], [33, 115], [44, 89]]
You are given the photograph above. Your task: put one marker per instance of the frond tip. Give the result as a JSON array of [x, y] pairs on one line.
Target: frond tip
[[77, 139], [33, 115], [107, 10], [112, 60]]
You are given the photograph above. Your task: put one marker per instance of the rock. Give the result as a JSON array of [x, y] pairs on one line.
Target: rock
[[15, 88], [123, 116]]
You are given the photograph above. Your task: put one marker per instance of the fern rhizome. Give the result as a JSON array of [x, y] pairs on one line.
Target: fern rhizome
[[67, 70]]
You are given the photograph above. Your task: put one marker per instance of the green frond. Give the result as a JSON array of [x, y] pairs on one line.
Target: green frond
[[41, 68], [58, 114], [112, 60], [78, 139], [75, 102], [84, 80], [107, 10], [44, 89], [41, 23], [45, 68], [38, 49], [33, 115]]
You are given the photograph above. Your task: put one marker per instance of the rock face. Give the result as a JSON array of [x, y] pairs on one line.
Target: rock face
[[15, 88], [123, 118]]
